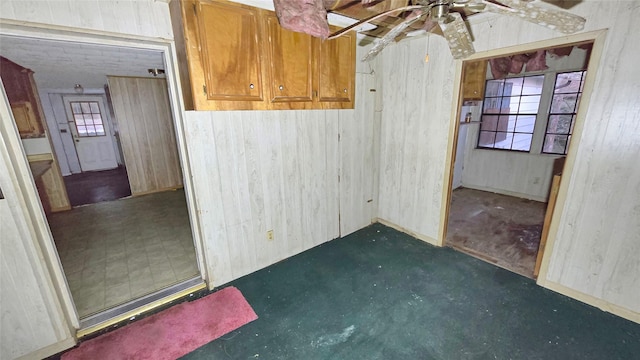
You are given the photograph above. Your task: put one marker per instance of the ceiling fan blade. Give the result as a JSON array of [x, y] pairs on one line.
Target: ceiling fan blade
[[457, 35], [553, 19], [388, 38]]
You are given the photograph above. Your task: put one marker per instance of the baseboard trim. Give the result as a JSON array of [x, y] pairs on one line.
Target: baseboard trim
[[424, 238], [507, 192], [50, 350], [591, 300]]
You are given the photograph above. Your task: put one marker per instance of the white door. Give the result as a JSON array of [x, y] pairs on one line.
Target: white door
[[91, 132]]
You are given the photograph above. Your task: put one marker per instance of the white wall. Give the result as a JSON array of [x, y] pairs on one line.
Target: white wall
[[256, 171], [595, 253]]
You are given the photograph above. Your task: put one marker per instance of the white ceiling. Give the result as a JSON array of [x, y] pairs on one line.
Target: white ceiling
[[61, 64]]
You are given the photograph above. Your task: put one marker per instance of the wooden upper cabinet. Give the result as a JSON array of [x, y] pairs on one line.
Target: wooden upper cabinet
[[336, 70], [474, 79], [291, 66], [239, 58], [231, 52], [23, 97]]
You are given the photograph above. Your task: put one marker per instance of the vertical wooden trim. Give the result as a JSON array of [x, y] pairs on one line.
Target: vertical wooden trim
[[553, 195], [598, 38], [451, 154]]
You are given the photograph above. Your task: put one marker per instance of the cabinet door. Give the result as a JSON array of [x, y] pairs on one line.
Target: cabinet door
[[230, 51], [475, 74], [336, 70], [25, 118], [291, 63]]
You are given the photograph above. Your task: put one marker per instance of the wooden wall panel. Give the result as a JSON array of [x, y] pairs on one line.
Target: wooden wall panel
[[414, 131], [141, 17], [357, 195], [594, 253], [146, 128]]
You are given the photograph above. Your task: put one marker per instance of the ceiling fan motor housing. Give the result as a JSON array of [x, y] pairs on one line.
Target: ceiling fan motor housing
[[440, 10]]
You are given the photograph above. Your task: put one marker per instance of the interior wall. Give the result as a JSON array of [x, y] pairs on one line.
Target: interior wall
[[595, 252], [256, 171]]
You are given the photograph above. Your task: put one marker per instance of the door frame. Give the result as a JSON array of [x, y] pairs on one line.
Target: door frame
[[598, 40], [19, 163], [108, 126]]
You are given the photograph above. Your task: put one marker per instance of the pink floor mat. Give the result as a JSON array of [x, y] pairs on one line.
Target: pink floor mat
[[171, 333]]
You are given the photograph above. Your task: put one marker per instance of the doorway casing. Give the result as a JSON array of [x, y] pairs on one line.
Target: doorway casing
[[598, 40], [20, 166]]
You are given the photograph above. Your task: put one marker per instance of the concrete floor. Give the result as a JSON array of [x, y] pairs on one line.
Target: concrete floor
[[381, 294], [116, 251], [504, 230]]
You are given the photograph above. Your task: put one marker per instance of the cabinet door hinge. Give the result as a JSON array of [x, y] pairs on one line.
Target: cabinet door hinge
[[195, 9], [204, 89]]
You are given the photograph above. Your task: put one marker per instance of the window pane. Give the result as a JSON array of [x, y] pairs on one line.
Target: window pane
[[97, 119], [88, 119], [564, 103], [522, 142], [493, 88], [82, 130], [486, 139], [529, 104], [79, 119], [91, 130], [489, 122], [492, 106], [75, 108], [569, 82], [555, 144], [94, 107], [559, 124], [513, 86], [506, 123], [503, 140], [85, 107], [510, 105], [533, 85], [100, 130], [525, 124]]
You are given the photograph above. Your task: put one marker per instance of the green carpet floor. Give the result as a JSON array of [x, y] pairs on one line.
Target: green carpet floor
[[380, 294]]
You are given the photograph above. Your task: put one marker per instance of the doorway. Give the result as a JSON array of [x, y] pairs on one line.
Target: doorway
[[509, 152], [115, 256]]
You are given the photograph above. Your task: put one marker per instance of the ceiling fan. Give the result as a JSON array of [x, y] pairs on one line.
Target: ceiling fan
[[447, 16]]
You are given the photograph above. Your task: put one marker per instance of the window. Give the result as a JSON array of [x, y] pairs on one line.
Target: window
[[509, 113], [562, 114], [87, 118]]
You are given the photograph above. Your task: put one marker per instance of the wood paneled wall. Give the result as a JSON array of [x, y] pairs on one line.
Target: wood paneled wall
[[256, 171], [148, 18], [414, 132], [148, 138], [595, 252]]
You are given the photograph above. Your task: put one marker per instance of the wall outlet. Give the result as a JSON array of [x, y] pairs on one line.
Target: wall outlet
[[270, 235]]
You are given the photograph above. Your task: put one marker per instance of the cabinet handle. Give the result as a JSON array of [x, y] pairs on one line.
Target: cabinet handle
[[345, 91], [281, 87], [251, 86]]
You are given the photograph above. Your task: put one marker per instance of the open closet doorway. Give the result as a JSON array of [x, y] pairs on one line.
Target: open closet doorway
[[117, 255], [514, 129]]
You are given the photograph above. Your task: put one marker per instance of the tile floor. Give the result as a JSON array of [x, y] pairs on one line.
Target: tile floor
[[113, 252]]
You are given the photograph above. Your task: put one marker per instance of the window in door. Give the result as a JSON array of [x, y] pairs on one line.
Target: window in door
[[562, 114], [87, 118], [509, 113]]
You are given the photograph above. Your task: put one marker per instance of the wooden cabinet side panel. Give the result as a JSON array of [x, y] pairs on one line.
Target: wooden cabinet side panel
[[179, 30], [474, 79], [56, 192]]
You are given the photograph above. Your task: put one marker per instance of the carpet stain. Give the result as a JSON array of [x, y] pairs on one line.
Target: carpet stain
[[333, 339]]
